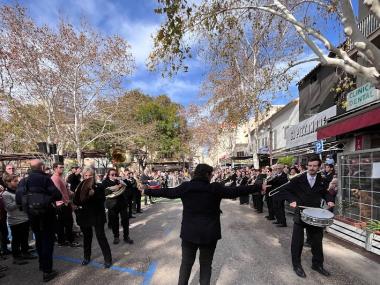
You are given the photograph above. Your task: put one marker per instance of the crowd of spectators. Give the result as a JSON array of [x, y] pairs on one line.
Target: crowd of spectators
[[61, 223]]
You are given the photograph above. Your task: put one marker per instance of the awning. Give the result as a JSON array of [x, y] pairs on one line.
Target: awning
[[353, 122]]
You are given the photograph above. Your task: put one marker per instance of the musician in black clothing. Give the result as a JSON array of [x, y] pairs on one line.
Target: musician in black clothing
[[279, 200], [267, 186], [116, 206], [90, 213], [307, 190], [201, 218], [129, 193], [243, 182], [136, 193], [258, 198], [329, 173]]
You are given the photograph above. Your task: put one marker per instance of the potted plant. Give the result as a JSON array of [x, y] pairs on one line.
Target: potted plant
[[373, 226]]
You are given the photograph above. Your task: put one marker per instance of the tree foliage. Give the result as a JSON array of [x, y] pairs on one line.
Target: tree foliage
[[65, 72], [207, 21], [170, 134]]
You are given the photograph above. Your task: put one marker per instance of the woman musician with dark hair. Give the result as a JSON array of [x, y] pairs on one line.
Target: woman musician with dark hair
[[89, 199], [201, 218], [116, 205]]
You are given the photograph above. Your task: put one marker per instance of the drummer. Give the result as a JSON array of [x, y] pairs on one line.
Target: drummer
[[307, 190]]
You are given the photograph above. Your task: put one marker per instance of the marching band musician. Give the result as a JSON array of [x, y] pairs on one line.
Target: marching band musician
[[259, 197], [201, 218], [266, 186], [243, 182], [116, 206], [307, 190], [129, 193], [89, 199], [279, 200]]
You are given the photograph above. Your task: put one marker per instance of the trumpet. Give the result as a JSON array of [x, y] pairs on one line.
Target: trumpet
[[277, 190]]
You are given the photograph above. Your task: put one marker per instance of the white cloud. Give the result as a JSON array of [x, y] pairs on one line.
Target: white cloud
[[139, 37], [177, 89]]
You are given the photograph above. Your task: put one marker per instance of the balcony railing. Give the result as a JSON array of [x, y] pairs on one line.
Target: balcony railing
[[367, 26]]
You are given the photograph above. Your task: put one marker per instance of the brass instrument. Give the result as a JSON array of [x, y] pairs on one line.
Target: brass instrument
[[116, 191]]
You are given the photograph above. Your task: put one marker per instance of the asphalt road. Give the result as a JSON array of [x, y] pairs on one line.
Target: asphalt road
[[252, 251]]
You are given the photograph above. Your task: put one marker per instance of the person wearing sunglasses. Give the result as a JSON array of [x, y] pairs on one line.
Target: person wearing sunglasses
[[116, 206]]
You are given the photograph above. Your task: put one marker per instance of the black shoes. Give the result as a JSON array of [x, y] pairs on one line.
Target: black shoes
[[269, 218], [299, 271], [85, 262], [116, 240], [128, 240], [320, 270], [75, 244], [28, 256], [281, 225], [132, 217], [49, 276], [107, 265], [19, 261], [275, 223]]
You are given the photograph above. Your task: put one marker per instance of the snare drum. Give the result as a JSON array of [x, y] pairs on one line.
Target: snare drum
[[317, 217]]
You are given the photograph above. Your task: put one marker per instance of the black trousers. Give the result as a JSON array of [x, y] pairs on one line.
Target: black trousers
[[113, 219], [130, 205], [3, 234], [206, 254], [137, 200], [279, 210], [315, 234], [20, 237], [270, 206], [44, 244], [102, 241], [65, 224], [244, 199], [259, 202]]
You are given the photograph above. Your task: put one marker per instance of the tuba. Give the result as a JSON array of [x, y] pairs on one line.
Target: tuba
[[116, 191]]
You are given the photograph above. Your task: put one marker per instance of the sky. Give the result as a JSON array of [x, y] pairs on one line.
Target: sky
[[135, 21]]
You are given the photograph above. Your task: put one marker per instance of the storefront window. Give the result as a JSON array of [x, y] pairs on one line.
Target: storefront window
[[360, 186]]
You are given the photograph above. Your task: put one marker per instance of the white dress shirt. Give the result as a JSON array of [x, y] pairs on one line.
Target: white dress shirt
[[311, 179]]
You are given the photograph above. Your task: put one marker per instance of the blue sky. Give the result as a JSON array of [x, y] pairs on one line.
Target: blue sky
[[136, 21]]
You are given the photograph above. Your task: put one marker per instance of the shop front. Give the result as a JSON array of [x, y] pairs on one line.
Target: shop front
[[301, 139], [358, 201]]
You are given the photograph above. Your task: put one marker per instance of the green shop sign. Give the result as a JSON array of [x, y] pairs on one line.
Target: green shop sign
[[363, 95]]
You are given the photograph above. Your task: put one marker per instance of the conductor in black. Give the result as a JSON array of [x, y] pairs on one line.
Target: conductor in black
[[307, 190], [200, 218]]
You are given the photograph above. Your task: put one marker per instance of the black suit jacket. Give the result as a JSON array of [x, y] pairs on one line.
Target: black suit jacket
[[201, 207], [277, 181], [299, 190], [92, 212]]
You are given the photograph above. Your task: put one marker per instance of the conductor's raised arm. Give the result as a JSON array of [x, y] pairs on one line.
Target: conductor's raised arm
[[234, 192], [171, 193]]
